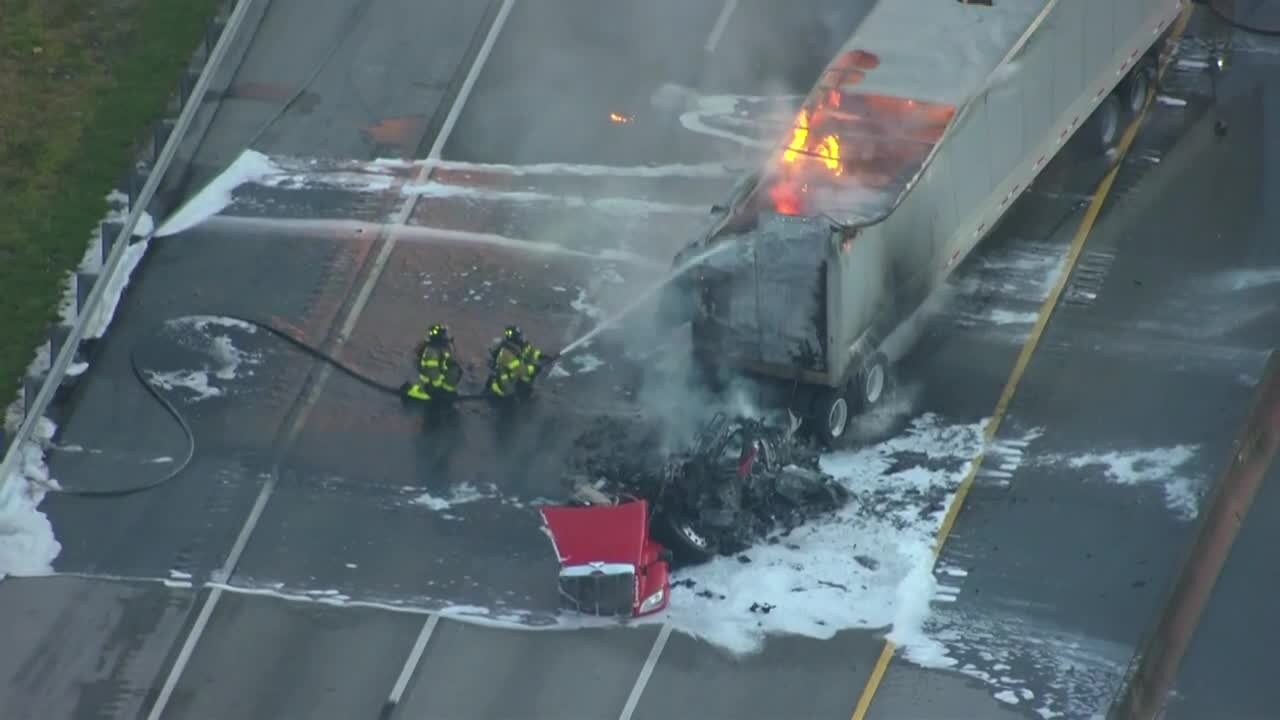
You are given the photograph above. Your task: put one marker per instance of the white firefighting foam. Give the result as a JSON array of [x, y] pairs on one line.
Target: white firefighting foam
[[868, 566], [217, 195], [225, 362], [27, 544], [1160, 467]]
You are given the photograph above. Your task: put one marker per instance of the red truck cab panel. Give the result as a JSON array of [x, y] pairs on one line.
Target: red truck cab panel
[[608, 563]]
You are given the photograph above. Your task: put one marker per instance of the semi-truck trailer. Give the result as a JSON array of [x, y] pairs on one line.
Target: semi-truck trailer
[[913, 144]]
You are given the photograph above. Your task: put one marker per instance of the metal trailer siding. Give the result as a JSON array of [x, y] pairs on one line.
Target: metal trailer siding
[[856, 295], [1002, 141]]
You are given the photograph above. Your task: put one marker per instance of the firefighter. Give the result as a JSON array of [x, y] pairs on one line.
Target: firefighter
[[514, 364], [438, 372]]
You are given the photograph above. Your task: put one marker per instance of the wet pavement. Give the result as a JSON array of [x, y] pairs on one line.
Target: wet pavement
[[1139, 386], [311, 485]]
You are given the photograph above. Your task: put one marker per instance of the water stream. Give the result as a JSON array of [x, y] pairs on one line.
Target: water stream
[[645, 295]]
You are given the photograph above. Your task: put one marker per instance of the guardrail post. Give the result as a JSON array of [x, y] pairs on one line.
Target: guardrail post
[[110, 231], [213, 32], [160, 136], [58, 334], [84, 285], [132, 184], [187, 84], [31, 383]]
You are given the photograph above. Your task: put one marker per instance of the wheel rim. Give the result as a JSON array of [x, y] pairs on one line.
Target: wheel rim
[[875, 384], [837, 417], [694, 538]]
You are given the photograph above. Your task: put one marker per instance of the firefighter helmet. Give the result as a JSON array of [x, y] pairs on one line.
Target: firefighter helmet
[[438, 335], [513, 334]]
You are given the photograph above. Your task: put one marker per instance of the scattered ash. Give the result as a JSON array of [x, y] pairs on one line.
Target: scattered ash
[[737, 483], [902, 507]]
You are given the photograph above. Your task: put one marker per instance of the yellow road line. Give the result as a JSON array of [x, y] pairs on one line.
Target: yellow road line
[[1019, 368]]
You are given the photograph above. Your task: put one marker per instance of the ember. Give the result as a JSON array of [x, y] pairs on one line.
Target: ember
[[619, 118]]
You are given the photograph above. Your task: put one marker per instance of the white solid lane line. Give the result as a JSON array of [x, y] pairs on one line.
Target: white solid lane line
[[206, 611], [184, 655], [411, 664], [348, 325], [649, 664], [721, 23]]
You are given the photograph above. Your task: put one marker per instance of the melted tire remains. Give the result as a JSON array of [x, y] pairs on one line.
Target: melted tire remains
[[704, 502]]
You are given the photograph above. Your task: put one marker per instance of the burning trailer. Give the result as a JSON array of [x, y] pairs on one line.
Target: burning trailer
[[910, 148]]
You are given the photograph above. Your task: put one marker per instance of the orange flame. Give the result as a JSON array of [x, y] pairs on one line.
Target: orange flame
[[619, 118], [827, 150], [799, 137]]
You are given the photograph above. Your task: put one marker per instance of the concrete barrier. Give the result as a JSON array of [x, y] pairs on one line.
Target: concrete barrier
[[1154, 670], [140, 183]]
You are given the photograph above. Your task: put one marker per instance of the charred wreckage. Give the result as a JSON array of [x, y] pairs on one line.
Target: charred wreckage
[[740, 482]]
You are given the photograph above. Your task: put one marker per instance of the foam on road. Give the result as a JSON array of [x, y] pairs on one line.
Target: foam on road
[[370, 506], [1066, 558]]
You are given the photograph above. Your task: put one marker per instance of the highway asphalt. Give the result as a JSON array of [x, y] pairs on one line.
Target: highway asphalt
[[328, 499], [1140, 383], [1224, 673], [191, 524]]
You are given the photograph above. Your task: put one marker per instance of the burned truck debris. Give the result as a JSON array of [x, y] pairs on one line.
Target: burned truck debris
[[738, 482]]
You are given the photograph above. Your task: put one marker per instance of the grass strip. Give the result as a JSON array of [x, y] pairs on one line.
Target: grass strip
[[81, 82]]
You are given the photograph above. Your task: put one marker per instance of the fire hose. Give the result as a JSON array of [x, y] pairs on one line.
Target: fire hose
[[172, 410]]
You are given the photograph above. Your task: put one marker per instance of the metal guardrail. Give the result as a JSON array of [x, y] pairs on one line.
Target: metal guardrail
[[35, 410]]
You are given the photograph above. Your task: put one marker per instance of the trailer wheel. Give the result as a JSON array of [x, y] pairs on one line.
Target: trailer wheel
[[872, 383], [829, 415], [1103, 126], [1135, 86]]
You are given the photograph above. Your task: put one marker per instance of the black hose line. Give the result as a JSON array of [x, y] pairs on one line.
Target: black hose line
[[176, 414]]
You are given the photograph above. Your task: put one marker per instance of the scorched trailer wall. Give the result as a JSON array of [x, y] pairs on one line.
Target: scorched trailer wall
[[917, 139]]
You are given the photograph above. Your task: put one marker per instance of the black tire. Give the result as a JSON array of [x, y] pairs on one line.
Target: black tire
[[1102, 130], [687, 546], [1135, 87], [871, 385], [829, 415]]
